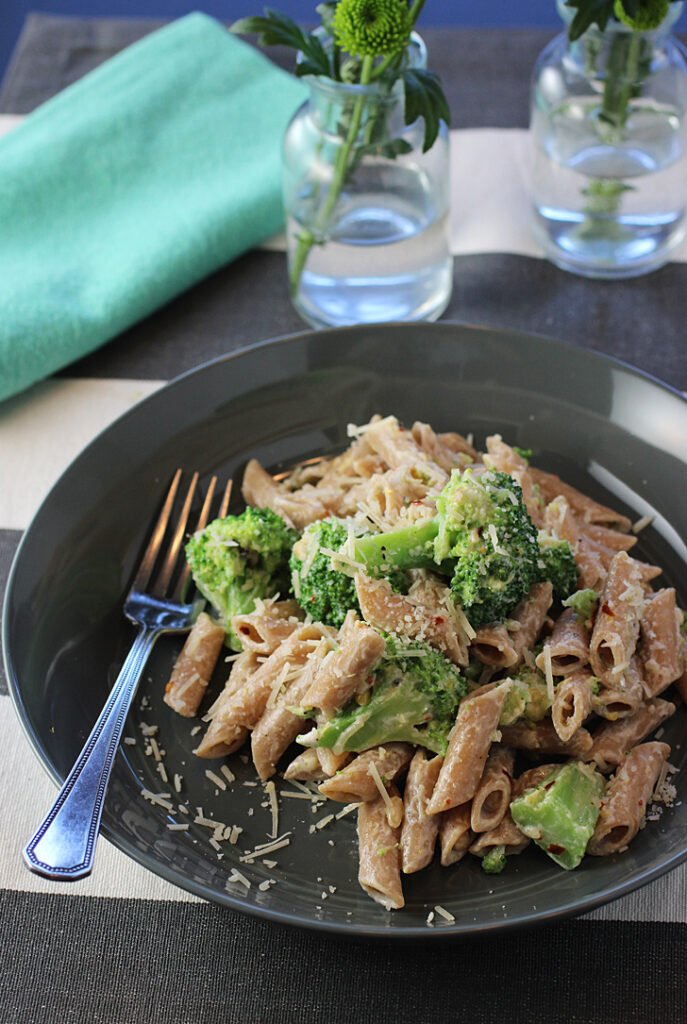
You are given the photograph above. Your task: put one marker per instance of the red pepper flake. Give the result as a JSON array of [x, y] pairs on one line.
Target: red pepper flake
[[606, 608], [556, 849], [438, 620]]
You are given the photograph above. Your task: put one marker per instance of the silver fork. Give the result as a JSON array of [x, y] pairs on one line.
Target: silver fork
[[63, 846]]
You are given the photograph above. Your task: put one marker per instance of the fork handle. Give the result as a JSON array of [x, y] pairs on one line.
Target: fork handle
[[64, 844]]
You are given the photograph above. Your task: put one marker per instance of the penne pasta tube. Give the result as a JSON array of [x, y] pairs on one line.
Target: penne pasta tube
[[572, 704], [279, 726], [493, 645], [616, 628], [305, 767], [612, 740], [244, 708], [530, 615], [243, 666], [531, 778], [194, 666], [626, 798], [543, 738], [345, 670], [561, 522], [468, 747], [590, 566], [449, 451], [330, 762], [419, 831], [505, 834], [660, 642], [263, 630], [298, 508], [610, 538], [397, 447], [356, 782], [490, 802], [422, 614], [568, 645], [454, 834], [584, 507], [379, 856]]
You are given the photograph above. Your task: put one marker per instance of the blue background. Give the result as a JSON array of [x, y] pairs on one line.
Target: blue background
[[523, 13]]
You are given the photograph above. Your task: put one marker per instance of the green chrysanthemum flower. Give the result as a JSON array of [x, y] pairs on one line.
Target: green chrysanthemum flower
[[372, 28], [649, 16]]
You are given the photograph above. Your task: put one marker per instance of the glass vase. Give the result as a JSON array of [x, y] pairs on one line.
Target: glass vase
[[367, 212], [609, 184]]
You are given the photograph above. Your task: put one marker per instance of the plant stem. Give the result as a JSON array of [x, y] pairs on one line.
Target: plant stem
[[308, 236]]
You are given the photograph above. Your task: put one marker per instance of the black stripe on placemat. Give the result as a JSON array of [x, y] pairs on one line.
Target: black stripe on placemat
[[485, 72], [107, 961], [9, 542], [640, 322]]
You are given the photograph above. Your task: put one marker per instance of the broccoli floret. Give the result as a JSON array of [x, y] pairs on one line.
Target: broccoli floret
[[557, 565], [494, 860], [414, 698], [238, 559], [323, 587], [528, 697], [584, 604], [323, 591], [481, 536]]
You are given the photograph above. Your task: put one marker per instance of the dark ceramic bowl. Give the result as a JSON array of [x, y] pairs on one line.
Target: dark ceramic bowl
[[604, 427]]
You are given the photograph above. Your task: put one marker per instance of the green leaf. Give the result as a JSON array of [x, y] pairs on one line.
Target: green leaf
[[425, 98], [277, 29], [588, 12]]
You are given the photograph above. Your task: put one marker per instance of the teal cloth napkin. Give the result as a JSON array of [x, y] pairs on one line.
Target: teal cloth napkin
[[132, 184]]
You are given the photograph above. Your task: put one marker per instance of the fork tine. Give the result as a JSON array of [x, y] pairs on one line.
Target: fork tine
[[178, 593], [163, 578], [225, 499], [151, 552]]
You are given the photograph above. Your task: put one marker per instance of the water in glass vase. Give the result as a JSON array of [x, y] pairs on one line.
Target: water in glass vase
[[605, 206], [386, 256]]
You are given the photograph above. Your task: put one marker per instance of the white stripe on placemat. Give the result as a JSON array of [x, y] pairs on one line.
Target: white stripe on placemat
[[45, 428], [115, 875], [490, 205]]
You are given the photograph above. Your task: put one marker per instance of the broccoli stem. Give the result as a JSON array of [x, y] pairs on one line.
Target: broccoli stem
[[411, 547], [494, 860], [560, 813]]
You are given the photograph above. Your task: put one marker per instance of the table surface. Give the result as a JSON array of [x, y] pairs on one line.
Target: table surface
[[125, 947]]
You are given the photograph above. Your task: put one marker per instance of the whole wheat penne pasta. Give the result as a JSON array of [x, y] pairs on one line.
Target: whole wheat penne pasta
[[330, 762], [298, 508], [506, 834], [243, 666], [354, 783], [612, 740], [244, 708], [264, 629], [681, 682], [385, 496], [379, 856], [505, 459], [572, 704], [419, 830], [625, 698], [660, 642], [493, 645], [413, 616], [560, 520], [305, 767], [584, 507], [530, 615], [616, 627], [610, 538], [279, 726], [532, 777], [194, 666], [543, 738], [345, 670], [447, 451], [590, 565], [468, 747], [626, 798], [493, 794], [454, 834], [397, 447], [568, 645]]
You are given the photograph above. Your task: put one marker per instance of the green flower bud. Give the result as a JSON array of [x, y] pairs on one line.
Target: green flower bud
[[372, 28], [649, 16]]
